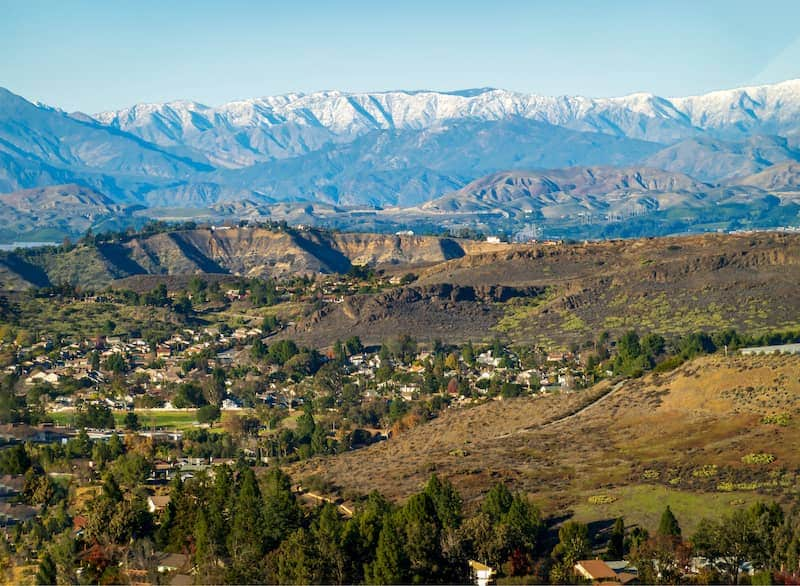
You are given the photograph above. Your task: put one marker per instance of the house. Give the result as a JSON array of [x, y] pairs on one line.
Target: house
[[156, 504], [493, 239], [42, 377], [172, 562], [600, 572], [481, 573]]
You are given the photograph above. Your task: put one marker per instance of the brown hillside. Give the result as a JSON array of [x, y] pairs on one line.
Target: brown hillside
[[686, 433], [668, 285]]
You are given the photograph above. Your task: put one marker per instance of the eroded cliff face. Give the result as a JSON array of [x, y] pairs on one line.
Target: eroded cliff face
[[261, 252]]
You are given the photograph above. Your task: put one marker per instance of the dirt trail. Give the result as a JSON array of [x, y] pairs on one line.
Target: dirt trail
[[568, 416]]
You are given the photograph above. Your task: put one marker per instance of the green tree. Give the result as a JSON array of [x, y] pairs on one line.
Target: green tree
[[391, 564], [573, 545], [246, 542], [446, 499], [616, 541], [46, 573], [421, 530], [208, 414], [668, 525], [497, 502], [204, 551], [296, 561], [282, 514], [131, 421]]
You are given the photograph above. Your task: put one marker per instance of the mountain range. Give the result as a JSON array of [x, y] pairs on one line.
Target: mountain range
[[414, 150]]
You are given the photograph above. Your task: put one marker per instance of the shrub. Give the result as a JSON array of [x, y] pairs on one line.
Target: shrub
[[758, 459], [602, 499], [781, 419], [706, 471]]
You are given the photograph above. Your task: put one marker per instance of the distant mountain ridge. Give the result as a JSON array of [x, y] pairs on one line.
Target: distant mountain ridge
[[399, 149], [264, 127]]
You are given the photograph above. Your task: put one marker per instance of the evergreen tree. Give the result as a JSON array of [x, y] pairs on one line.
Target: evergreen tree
[[204, 554], [573, 544], [328, 538], [246, 542], [668, 526], [524, 523], [446, 500], [497, 502], [296, 561], [391, 565], [369, 521], [218, 510], [282, 514], [46, 573], [421, 530], [616, 541]]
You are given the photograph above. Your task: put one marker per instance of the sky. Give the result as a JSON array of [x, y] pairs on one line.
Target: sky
[[95, 56]]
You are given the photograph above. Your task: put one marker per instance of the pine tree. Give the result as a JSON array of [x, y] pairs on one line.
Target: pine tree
[[616, 541], [446, 500], [328, 533], [668, 526], [204, 556], [497, 502], [246, 542], [282, 514], [218, 511], [524, 522], [421, 533], [391, 565], [46, 573]]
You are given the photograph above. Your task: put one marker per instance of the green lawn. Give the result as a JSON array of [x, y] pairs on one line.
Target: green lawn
[[643, 504], [179, 420]]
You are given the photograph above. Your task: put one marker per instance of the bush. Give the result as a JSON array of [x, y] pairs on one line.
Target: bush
[[781, 419], [601, 499], [758, 459]]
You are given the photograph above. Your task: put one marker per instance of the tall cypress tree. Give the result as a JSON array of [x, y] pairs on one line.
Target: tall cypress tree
[[422, 536], [204, 555], [246, 543], [219, 509]]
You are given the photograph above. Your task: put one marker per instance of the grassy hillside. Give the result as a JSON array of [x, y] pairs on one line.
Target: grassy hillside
[[717, 432]]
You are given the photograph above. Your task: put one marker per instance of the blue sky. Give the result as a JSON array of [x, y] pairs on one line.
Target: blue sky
[[93, 56]]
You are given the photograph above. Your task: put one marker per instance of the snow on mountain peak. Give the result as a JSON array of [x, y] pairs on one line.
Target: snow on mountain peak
[[292, 123]]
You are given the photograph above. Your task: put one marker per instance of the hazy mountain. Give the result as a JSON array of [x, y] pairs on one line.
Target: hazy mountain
[[41, 145], [50, 213], [408, 167], [392, 148], [567, 192], [784, 177], [710, 159]]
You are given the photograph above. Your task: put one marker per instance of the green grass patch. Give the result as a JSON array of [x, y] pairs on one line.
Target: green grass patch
[[148, 418], [643, 504]]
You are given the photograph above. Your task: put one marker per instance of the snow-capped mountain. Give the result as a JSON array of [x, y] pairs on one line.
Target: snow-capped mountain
[[400, 148], [244, 132]]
